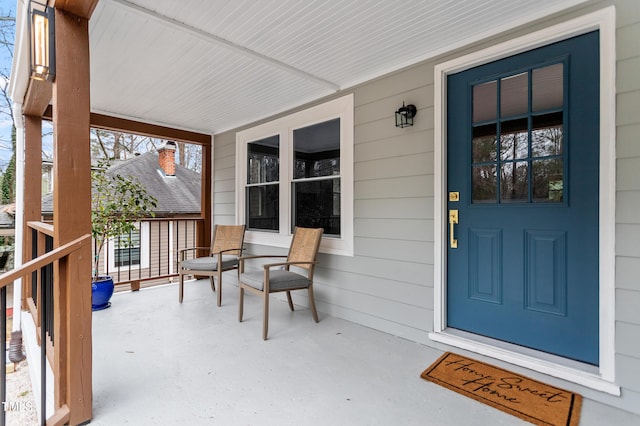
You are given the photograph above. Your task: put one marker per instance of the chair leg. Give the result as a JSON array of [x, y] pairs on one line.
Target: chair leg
[[241, 304], [265, 319], [312, 304], [290, 301], [219, 287], [181, 288], [213, 284]]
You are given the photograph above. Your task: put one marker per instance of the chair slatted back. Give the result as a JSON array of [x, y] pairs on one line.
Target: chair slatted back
[[304, 246], [228, 237]]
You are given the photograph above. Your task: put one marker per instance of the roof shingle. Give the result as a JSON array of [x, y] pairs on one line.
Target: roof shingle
[[179, 194]]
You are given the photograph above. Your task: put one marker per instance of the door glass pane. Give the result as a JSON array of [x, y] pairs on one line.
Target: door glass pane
[[514, 182], [514, 140], [263, 207], [547, 88], [514, 95], [263, 160], [484, 143], [316, 204], [508, 153], [547, 135], [484, 184], [316, 150], [485, 102], [548, 182]]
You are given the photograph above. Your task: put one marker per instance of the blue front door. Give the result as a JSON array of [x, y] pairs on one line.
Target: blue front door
[[522, 176]]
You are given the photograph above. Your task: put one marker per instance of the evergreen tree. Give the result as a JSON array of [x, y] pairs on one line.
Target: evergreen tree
[[8, 185]]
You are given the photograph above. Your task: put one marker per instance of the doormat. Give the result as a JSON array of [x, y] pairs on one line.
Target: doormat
[[529, 399]]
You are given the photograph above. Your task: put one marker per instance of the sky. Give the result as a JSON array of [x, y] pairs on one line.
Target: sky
[[6, 6]]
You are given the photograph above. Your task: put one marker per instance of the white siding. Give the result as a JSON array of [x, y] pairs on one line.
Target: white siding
[[224, 179], [628, 201], [388, 283]]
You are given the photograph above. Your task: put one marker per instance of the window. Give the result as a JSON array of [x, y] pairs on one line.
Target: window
[[518, 136], [298, 171], [127, 249], [316, 177], [262, 189], [130, 250]]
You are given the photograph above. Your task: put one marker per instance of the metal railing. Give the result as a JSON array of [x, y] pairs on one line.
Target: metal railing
[[155, 263], [151, 256], [39, 294], [43, 296]]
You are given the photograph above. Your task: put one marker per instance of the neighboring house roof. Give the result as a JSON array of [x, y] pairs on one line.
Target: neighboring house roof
[[179, 194]]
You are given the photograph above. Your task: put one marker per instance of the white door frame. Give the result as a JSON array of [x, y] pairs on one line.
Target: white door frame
[[601, 378]]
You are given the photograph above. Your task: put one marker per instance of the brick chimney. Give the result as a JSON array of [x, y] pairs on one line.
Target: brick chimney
[[167, 158]]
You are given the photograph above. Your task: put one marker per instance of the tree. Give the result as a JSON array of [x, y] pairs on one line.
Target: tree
[[190, 156], [7, 30], [116, 202], [110, 145], [8, 184]]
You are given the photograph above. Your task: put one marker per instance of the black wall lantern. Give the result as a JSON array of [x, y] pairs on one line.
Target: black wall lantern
[[42, 34], [405, 114]]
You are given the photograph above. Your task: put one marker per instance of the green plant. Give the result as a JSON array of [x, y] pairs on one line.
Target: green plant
[[117, 201]]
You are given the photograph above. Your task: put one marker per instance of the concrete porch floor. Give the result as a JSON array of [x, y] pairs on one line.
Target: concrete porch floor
[[159, 362]]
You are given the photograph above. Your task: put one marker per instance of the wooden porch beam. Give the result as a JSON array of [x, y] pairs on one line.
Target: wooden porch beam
[[39, 92], [81, 8], [72, 217], [37, 98], [117, 124], [32, 168], [32, 188], [107, 122], [204, 232]]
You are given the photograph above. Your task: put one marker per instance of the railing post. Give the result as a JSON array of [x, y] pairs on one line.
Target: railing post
[[42, 296], [3, 356], [41, 250]]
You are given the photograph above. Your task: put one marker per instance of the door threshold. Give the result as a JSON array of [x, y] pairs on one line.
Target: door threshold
[[542, 362]]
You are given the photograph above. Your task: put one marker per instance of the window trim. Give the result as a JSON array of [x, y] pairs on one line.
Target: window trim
[[144, 251], [283, 127]]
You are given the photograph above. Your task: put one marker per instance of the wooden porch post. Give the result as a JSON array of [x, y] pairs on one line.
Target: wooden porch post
[[72, 217], [204, 232], [32, 188]]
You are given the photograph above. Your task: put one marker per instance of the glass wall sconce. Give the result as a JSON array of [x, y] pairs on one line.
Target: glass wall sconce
[[405, 114], [42, 33]]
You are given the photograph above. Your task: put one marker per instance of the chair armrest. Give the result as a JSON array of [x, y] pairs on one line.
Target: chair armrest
[[257, 256], [240, 249], [183, 252], [272, 265]]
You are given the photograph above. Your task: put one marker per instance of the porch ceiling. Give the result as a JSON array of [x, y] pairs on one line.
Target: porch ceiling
[[213, 65]]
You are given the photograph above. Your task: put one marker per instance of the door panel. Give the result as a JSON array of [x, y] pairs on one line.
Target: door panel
[[523, 152]]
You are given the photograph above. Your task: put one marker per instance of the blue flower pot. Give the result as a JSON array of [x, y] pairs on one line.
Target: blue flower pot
[[101, 292]]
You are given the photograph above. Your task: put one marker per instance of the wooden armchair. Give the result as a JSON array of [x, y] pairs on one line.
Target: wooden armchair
[[277, 277], [225, 250]]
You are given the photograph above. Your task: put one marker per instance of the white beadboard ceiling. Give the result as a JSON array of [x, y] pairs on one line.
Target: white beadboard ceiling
[[213, 65]]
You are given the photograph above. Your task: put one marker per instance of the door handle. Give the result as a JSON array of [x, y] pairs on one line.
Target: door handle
[[453, 220]]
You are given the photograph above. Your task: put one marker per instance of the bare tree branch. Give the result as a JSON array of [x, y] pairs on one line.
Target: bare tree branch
[[98, 134]]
